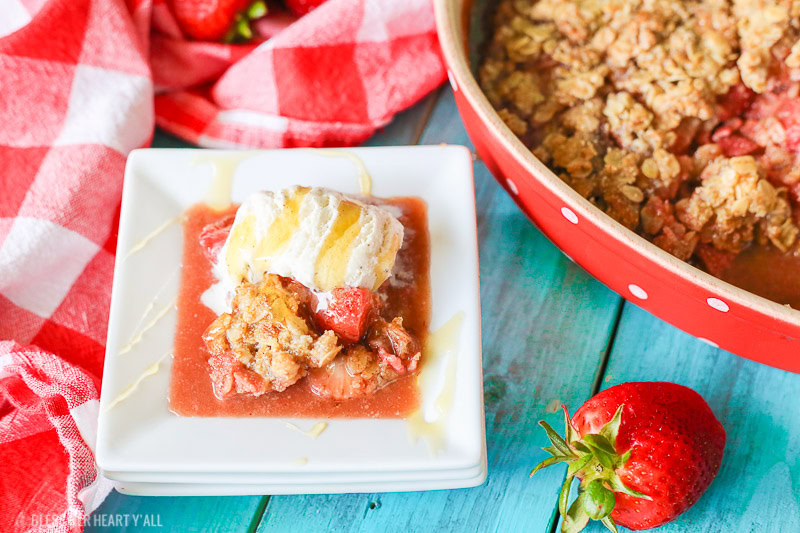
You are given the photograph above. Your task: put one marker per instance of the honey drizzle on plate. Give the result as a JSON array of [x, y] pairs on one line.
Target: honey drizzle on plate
[[438, 345], [151, 370], [144, 241], [364, 179], [219, 192], [139, 335], [312, 433]]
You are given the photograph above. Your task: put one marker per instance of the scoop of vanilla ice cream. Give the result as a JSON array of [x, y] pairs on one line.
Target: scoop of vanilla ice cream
[[319, 237]]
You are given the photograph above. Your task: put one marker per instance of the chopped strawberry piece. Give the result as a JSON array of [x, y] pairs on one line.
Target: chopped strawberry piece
[[347, 313], [731, 141], [764, 105], [789, 115], [229, 376], [354, 374], [715, 261], [733, 145], [721, 133], [684, 135], [395, 346], [392, 360], [735, 102], [213, 236], [727, 129]]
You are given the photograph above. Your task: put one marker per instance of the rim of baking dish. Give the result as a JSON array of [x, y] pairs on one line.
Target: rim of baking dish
[[454, 44]]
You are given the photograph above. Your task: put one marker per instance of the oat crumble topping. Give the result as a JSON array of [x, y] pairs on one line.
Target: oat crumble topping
[[680, 119], [268, 343], [267, 334]]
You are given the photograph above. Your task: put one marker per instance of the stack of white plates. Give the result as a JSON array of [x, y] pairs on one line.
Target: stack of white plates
[[268, 456], [148, 450]]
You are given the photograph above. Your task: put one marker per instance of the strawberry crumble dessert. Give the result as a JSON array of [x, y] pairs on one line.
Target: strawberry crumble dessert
[[304, 302], [679, 119]]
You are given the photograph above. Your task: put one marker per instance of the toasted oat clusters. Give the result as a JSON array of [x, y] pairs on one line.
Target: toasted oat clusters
[[270, 340], [267, 335], [680, 119], [732, 200]]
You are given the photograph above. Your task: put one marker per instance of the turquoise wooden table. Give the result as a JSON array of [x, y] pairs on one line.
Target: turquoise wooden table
[[551, 334]]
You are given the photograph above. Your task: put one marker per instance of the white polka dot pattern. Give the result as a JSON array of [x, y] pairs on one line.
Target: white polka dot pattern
[[719, 305], [710, 343], [638, 291], [569, 215], [512, 186], [452, 80]]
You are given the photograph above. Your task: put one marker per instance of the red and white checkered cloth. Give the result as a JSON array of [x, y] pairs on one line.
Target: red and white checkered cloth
[[76, 95]]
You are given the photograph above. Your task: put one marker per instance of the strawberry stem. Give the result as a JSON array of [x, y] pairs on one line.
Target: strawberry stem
[[240, 30], [594, 460], [243, 28], [257, 10]]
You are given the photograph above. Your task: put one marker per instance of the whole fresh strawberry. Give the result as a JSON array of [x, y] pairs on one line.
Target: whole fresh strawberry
[[643, 452], [301, 7], [217, 20]]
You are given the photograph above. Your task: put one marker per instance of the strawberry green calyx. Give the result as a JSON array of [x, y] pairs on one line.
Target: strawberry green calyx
[[240, 29], [594, 460], [257, 10]]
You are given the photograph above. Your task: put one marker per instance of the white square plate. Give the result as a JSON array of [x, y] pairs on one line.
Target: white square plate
[[140, 440], [470, 478]]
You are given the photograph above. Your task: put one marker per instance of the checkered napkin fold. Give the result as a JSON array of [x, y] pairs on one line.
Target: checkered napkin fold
[[77, 85]]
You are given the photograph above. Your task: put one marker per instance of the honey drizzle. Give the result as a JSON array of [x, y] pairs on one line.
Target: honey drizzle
[[312, 433], [364, 179], [152, 235], [138, 336], [151, 370], [219, 192], [438, 345]]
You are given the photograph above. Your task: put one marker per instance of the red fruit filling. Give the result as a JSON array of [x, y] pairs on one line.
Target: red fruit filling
[[715, 261], [789, 115], [347, 313], [213, 236]]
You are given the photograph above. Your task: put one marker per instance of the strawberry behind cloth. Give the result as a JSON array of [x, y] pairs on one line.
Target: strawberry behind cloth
[[78, 79]]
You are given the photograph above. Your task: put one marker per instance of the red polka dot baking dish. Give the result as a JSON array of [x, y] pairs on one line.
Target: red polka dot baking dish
[[683, 295]]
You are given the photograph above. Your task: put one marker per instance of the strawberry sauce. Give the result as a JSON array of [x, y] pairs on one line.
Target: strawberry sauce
[[407, 295], [767, 272]]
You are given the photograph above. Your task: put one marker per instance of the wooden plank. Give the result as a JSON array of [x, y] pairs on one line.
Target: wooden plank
[[234, 514], [758, 486], [407, 126], [546, 325], [162, 139], [238, 513]]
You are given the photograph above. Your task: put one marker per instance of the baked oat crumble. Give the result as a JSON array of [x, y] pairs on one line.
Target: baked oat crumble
[[680, 119], [268, 335], [269, 341]]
